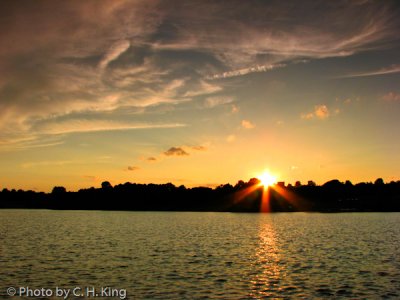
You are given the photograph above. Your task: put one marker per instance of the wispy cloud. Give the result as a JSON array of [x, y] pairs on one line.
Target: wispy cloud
[[35, 144], [82, 125], [245, 71], [25, 141], [56, 163], [383, 71], [202, 88], [46, 163], [211, 102], [115, 50], [116, 56]]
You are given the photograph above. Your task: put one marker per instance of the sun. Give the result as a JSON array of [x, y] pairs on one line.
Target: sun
[[267, 179]]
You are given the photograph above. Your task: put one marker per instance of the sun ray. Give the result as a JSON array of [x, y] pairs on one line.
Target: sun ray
[[265, 203], [295, 200]]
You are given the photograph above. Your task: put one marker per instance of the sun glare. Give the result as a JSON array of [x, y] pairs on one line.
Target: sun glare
[[267, 179]]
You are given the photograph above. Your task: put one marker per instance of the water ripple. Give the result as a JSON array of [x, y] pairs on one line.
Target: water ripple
[[157, 255]]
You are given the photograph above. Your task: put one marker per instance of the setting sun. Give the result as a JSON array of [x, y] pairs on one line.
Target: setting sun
[[267, 179]]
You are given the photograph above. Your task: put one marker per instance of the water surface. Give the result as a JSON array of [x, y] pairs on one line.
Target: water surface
[[178, 255]]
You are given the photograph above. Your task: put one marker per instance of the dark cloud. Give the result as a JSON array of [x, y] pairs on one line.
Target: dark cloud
[[151, 158], [178, 151]]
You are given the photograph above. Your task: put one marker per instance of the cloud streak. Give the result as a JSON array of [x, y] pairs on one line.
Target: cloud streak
[[212, 102], [114, 52], [75, 126], [245, 71], [383, 71]]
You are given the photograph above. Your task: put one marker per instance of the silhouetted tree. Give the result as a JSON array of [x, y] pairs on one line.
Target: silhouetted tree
[[333, 184], [253, 181], [348, 184], [333, 196], [106, 185], [58, 190], [239, 184]]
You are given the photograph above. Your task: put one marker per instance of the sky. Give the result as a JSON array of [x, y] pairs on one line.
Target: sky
[[198, 93]]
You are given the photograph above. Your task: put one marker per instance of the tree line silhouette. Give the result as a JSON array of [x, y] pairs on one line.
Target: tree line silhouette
[[251, 196]]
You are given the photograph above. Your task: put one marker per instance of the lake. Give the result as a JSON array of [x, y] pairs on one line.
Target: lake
[[190, 255]]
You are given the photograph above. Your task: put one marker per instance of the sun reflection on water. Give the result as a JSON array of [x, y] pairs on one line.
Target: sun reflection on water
[[266, 281]]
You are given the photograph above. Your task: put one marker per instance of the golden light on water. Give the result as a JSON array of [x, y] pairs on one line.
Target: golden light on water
[[267, 262]]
